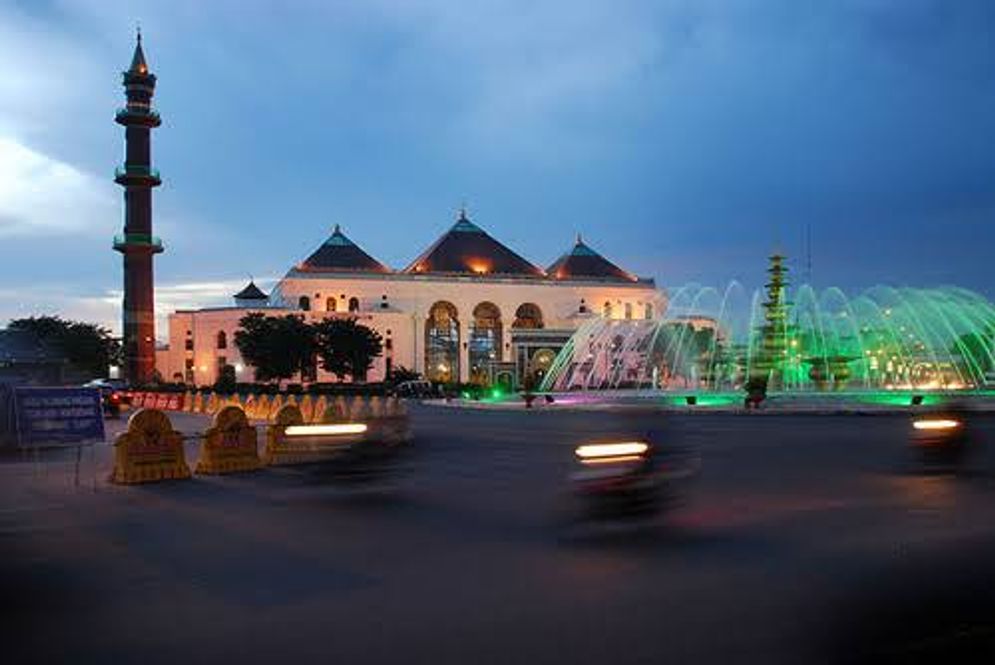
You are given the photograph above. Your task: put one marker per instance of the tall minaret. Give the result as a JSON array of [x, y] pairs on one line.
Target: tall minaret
[[137, 244]]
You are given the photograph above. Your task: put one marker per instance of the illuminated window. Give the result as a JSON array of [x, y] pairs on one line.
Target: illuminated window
[[485, 340], [628, 310], [442, 343], [330, 305], [528, 316], [606, 311], [648, 314]]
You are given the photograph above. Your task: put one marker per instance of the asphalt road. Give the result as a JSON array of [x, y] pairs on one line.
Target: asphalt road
[[804, 539]]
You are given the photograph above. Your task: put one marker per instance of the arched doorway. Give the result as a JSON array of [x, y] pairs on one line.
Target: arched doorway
[[330, 305], [442, 343], [485, 340], [528, 316]]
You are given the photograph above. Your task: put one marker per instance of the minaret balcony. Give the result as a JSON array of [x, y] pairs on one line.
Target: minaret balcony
[[137, 175], [138, 115], [138, 241]]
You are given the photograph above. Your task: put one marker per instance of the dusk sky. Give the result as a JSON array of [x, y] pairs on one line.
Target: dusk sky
[[684, 140]]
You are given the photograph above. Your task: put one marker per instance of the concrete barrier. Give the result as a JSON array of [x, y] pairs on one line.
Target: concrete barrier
[[230, 444], [307, 408], [320, 405], [281, 449], [359, 410], [274, 408], [149, 451], [262, 410], [250, 405]]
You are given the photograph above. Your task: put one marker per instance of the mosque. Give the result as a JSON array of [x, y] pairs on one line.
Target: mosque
[[467, 309]]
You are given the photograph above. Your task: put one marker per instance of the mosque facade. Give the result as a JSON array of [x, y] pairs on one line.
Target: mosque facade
[[467, 309]]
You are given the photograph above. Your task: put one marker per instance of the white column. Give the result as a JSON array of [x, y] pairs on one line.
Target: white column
[[464, 351], [417, 341]]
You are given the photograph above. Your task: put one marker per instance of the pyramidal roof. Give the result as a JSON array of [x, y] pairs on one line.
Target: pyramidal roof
[[468, 249], [251, 292], [339, 254], [585, 263]]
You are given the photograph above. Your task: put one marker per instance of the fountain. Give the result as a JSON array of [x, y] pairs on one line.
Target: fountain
[[799, 340]]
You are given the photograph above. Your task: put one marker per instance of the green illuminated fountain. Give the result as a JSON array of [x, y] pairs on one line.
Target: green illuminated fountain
[[798, 340]]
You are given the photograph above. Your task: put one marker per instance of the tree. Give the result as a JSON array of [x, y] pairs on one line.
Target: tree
[[346, 347], [278, 347], [87, 347], [226, 381]]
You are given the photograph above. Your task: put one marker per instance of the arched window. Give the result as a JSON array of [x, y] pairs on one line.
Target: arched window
[[628, 310], [330, 304], [304, 303], [485, 341], [649, 311], [528, 316], [606, 311], [222, 340], [353, 304], [442, 343]]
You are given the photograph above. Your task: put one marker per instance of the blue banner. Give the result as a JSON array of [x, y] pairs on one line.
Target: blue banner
[[58, 416]]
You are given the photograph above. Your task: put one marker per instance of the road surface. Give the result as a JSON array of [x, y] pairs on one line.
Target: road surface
[[804, 539]]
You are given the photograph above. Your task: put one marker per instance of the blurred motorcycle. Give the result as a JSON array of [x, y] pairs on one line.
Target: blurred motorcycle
[[943, 440], [637, 478]]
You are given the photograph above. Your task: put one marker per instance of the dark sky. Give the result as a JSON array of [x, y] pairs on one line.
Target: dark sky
[[685, 140]]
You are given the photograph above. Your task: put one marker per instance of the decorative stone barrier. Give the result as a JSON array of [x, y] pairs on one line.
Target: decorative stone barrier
[[149, 451], [230, 444], [320, 406], [274, 408], [307, 408]]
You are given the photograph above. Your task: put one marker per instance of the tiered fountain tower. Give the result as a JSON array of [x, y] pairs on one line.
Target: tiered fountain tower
[[773, 351], [137, 243]]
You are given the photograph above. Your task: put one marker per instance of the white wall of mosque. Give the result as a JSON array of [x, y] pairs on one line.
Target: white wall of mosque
[[400, 308]]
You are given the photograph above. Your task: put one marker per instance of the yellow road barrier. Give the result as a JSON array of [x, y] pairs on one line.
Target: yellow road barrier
[[149, 451], [230, 444]]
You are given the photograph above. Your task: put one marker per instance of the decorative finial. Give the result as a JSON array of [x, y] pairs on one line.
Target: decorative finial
[[138, 31], [580, 241], [462, 212], [337, 230]]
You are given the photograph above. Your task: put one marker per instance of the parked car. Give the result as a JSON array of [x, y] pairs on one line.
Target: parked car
[[113, 393], [420, 388]]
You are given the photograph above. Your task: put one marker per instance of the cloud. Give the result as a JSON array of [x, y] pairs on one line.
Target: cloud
[[105, 308], [41, 195]]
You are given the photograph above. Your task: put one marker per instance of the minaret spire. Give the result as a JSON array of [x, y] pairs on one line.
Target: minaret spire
[[138, 64], [137, 243]]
